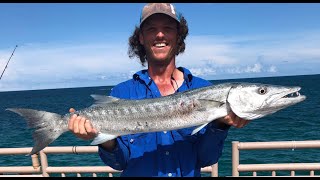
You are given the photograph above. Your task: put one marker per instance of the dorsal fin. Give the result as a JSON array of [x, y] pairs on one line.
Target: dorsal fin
[[102, 100]]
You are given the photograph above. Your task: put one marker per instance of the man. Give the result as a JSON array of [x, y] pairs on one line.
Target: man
[[157, 41]]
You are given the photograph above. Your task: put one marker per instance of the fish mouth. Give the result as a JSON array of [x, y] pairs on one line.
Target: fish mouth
[[292, 96]]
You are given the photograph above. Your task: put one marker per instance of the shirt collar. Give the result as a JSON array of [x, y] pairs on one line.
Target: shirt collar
[[144, 75]]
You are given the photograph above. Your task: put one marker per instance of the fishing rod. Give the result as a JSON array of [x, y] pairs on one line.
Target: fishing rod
[[8, 61]]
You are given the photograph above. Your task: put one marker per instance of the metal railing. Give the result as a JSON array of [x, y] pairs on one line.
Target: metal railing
[[22, 170], [254, 168], [42, 168]]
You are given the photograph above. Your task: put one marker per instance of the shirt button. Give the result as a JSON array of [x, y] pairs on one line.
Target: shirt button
[[165, 132], [169, 174], [131, 141], [167, 153]]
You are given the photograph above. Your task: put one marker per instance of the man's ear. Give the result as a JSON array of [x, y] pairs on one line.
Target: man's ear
[[141, 38]]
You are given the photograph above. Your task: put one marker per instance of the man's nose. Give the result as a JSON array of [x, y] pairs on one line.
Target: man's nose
[[160, 34]]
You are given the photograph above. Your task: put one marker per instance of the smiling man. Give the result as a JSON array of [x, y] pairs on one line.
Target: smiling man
[[157, 41], [159, 38]]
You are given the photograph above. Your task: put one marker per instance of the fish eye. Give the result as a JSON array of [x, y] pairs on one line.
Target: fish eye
[[262, 90]]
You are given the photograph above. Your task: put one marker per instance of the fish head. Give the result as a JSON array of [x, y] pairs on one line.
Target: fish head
[[252, 101]]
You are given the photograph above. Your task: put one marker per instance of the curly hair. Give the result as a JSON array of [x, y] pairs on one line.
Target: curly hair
[[137, 50]]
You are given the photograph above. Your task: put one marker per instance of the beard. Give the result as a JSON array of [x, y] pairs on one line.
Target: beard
[[159, 56]]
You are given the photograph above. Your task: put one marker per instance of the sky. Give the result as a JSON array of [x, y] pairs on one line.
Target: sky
[[84, 45]]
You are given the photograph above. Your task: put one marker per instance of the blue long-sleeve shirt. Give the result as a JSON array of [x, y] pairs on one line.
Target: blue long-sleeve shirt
[[171, 153]]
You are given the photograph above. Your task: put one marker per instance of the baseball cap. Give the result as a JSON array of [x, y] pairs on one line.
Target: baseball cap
[[163, 8]]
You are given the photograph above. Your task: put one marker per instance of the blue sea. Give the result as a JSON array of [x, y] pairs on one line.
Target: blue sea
[[296, 123]]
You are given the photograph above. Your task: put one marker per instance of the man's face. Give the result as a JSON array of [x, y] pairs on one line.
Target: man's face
[[159, 38]]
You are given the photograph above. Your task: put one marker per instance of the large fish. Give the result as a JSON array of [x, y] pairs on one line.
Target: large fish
[[113, 117]]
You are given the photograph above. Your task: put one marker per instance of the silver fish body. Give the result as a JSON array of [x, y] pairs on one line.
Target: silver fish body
[[114, 117]]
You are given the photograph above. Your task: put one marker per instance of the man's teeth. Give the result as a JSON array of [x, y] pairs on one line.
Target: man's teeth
[[160, 44]]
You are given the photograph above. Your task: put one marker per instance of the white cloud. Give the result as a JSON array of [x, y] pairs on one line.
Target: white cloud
[[77, 64], [254, 55], [272, 69], [255, 68], [202, 71], [66, 65]]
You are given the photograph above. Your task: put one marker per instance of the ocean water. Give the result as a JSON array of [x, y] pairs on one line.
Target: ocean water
[[295, 123]]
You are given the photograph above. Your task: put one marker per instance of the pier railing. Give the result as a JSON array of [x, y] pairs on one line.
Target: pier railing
[[41, 166], [254, 168], [43, 169]]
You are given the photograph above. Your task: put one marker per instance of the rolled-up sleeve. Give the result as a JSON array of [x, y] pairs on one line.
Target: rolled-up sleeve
[[211, 144], [118, 157]]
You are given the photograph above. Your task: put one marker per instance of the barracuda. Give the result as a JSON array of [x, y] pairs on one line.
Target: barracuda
[[114, 117]]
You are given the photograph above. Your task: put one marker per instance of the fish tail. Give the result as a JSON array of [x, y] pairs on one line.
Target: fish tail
[[48, 126]]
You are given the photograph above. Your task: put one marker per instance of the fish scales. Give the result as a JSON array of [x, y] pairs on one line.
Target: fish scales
[[153, 115]]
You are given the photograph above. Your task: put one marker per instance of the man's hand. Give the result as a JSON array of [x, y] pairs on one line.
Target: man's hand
[[81, 127], [233, 120]]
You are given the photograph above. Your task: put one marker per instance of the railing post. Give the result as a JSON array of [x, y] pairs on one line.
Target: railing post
[[235, 158], [35, 161], [312, 173], [214, 172], [44, 163]]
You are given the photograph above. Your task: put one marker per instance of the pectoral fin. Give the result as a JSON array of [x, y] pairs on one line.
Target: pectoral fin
[[101, 138], [211, 103]]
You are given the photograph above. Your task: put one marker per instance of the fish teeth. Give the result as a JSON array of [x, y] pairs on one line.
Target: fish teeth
[[295, 94]]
